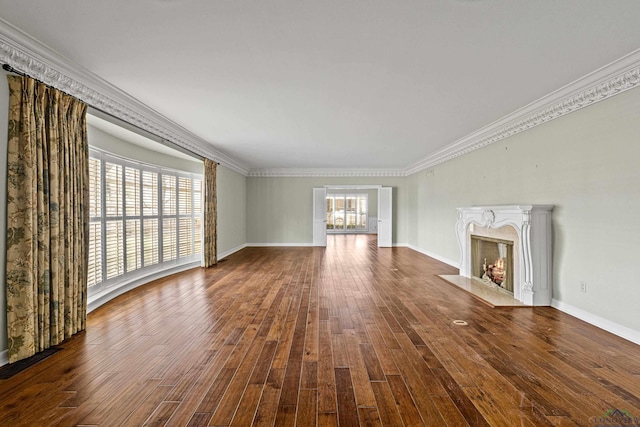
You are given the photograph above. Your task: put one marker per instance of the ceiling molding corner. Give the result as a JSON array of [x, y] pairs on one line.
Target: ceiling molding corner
[[37, 60], [324, 173], [610, 80]]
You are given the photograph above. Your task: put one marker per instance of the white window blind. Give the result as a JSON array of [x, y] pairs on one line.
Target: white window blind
[[197, 196], [169, 239], [134, 246], [114, 248], [132, 191], [95, 254], [95, 188], [184, 195], [143, 218], [94, 276], [149, 193], [185, 237], [113, 189], [197, 235], [168, 195], [151, 245]]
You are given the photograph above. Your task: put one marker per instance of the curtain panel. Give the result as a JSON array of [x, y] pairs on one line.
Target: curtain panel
[[47, 217], [210, 213]]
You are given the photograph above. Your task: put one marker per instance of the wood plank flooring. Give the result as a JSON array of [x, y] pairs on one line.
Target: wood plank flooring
[[344, 336]]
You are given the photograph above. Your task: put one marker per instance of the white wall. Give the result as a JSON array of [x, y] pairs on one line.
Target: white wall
[[232, 211], [279, 209], [587, 164], [109, 143]]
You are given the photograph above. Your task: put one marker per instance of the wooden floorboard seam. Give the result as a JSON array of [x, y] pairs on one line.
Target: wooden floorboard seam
[[346, 335]]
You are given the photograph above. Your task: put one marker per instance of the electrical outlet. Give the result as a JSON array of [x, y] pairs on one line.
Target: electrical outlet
[[583, 286]]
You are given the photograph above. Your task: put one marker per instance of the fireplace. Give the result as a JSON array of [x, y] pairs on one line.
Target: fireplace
[[509, 249], [492, 262]]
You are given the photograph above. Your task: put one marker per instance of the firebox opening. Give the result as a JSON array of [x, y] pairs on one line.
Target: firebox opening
[[492, 262]]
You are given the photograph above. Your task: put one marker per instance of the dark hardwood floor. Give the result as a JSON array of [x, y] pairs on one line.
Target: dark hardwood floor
[[348, 335]]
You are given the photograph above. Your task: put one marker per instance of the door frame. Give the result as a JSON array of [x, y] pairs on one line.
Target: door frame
[[319, 216], [385, 217], [345, 187]]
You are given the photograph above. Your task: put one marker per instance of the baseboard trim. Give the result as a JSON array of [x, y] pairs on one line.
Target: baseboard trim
[[101, 298], [600, 322], [435, 256], [266, 245], [231, 251]]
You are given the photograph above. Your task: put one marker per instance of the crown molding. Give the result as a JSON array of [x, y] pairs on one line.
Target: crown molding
[[324, 173], [28, 55], [603, 83], [37, 60], [608, 81]]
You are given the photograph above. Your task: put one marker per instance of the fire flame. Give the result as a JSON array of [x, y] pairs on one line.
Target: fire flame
[[495, 271]]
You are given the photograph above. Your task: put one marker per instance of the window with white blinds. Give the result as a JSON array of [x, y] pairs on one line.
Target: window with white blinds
[[143, 218]]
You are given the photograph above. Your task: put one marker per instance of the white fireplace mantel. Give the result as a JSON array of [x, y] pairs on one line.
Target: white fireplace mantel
[[533, 226]]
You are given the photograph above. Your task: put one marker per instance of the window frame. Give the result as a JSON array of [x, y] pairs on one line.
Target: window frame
[[125, 218], [333, 199]]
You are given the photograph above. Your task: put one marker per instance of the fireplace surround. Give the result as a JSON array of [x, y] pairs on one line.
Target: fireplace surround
[[529, 226]]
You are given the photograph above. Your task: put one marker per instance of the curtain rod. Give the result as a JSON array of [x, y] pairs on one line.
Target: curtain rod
[[8, 68]]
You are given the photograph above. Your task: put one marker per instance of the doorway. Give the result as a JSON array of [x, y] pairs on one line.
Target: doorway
[[383, 222]]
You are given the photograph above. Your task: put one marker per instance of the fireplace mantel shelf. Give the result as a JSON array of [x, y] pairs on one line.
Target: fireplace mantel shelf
[[532, 223]]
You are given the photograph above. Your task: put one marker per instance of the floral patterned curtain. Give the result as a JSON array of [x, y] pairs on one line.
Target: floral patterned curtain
[[47, 217], [210, 213]]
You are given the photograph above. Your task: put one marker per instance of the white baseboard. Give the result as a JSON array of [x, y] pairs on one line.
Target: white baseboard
[[263, 245], [602, 323], [435, 256], [4, 357], [101, 298], [231, 251]]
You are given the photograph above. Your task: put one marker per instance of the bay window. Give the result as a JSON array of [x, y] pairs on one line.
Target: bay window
[[144, 218]]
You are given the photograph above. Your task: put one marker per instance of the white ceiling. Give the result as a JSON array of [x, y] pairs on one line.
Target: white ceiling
[[375, 84]]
